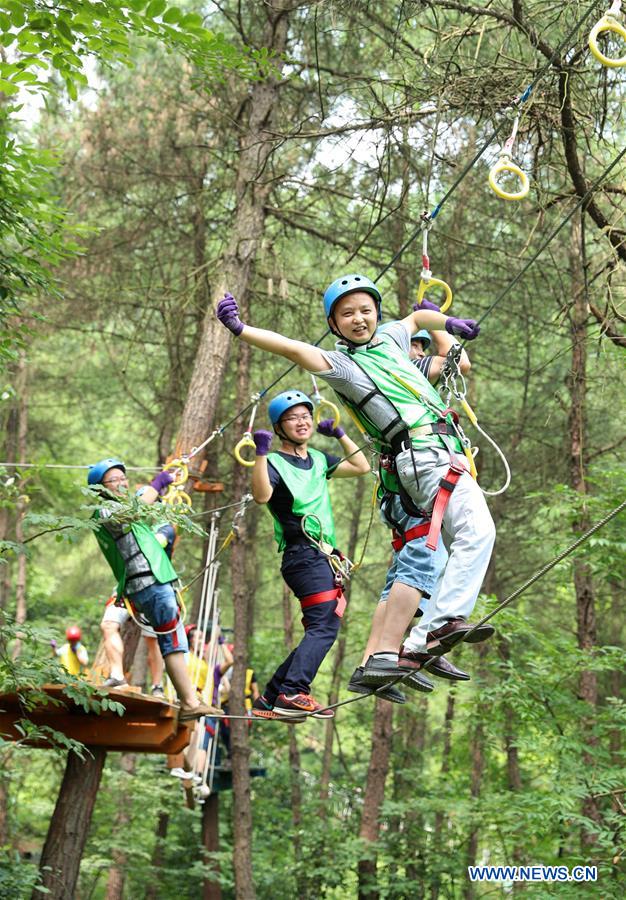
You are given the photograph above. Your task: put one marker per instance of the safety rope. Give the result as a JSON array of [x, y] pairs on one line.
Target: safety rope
[[232, 534]]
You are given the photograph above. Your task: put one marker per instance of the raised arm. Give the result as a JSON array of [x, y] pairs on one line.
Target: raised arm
[[356, 462], [305, 355], [262, 489], [427, 316]]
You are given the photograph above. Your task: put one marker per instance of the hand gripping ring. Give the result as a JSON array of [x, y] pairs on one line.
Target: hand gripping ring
[[182, 472], [246, 441], [427, 284], [317, 415], [504, 164], [607, 23]]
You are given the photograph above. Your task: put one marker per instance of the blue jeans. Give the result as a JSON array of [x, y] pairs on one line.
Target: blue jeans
[[158, 604]]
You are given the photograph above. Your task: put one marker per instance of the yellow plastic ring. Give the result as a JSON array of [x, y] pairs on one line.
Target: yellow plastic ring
[[183, 472], [180, 498], [317, 415], [246, 441], [504, 164], [435, 282], [607, 23]]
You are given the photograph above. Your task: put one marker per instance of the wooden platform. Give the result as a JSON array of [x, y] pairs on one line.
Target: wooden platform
[[149, 725]]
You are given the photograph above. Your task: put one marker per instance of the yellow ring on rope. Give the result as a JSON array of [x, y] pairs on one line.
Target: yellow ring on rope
[[183, 469], [504, 164], [246, 441], [435, 282], [607, 23], [317, 415], [179, 498]]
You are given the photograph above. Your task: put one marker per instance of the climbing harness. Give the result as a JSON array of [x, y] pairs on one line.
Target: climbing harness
[[608, 24], [168, 627], [453, 385], [246, 440], [340, 564], [426, 279], [320, 403], [176, 495], [506, 165]]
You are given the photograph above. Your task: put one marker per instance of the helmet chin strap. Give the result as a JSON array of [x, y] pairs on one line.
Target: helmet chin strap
[[281, 434]]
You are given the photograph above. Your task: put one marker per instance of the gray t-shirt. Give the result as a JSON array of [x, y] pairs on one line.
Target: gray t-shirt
[[344, 371]]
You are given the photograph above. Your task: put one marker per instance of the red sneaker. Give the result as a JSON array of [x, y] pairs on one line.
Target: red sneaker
[[261, 709], [301, 703]]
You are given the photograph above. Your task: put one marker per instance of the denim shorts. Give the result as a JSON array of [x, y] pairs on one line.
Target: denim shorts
[[416, 566], [158, 604]]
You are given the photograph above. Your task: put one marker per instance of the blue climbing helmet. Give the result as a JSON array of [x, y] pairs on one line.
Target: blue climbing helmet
[[98, 470], [423, 336], [280, 404], [348, 284]]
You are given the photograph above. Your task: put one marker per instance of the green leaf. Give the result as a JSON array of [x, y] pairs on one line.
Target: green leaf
[[192, 20], [71, 88], [172, 16], [16, 11], [156, 8], [7, 88], [5, 22], [64, 29]]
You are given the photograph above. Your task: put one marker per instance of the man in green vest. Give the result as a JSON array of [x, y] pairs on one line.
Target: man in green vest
[[294, 484], [145, 575], [371, 372]]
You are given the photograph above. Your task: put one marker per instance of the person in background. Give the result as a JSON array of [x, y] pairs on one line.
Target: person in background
[[73, 655]]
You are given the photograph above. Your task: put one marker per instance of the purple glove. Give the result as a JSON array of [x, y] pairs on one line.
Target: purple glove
[[426, 304], [465, 328], [228, 314], [262, 440], [326, 427], [53, 644], [162, 480]]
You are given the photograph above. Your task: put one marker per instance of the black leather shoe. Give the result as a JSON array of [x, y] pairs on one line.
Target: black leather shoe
[[455, 630], [377, 672], [387, 692], [437, 665]]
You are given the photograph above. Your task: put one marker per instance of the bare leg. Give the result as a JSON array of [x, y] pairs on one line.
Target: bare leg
[[402, 604], [155, 660], [177, 670], [114, 648]]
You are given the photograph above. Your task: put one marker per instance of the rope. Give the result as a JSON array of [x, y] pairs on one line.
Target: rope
[[518, 102], [506, 602]]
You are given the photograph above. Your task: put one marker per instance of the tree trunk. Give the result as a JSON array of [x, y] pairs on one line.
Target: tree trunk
[[211, 841], [22, 429], [445, 768], [152, 890], [252, 189], [373, 797], [583, 583], [340, 652], [242, 808], [69, 825]]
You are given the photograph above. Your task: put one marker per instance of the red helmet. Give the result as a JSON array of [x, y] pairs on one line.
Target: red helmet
[[189, 628], [73, 633]]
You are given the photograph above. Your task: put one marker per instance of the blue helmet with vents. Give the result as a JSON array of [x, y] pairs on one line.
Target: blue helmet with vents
[[98, 470], [280, 404], [423, 336], [348, 284]]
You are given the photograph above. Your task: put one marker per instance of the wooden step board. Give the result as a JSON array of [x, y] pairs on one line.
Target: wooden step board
[[149, 724]]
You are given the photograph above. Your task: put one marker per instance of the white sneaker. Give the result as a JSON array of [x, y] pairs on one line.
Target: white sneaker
[[179, 772]]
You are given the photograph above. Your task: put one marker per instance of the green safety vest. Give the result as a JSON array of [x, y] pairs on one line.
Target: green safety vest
[[309, 489], [158, 560], [404, 388]]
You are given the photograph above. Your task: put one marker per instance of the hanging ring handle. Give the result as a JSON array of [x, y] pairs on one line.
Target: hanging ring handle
[[608, 23], [181, 470], [317, 415], [246, 441], [505, 164], [427, 283]]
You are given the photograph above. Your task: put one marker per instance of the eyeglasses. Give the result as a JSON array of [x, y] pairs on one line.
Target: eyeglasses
[[305, 417], [119, 480]]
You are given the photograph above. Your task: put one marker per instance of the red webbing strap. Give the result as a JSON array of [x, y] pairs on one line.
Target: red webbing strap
[[169, 626], [446, 486], [324, 597], [399, 540]]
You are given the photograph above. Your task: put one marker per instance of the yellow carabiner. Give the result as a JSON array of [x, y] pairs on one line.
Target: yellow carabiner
[[427, 284], [607, 23], [504, 164], [182, 475], [246, 441], [317, 415]]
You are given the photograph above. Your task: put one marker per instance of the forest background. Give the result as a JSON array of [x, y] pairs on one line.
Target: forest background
[[266, 148]]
